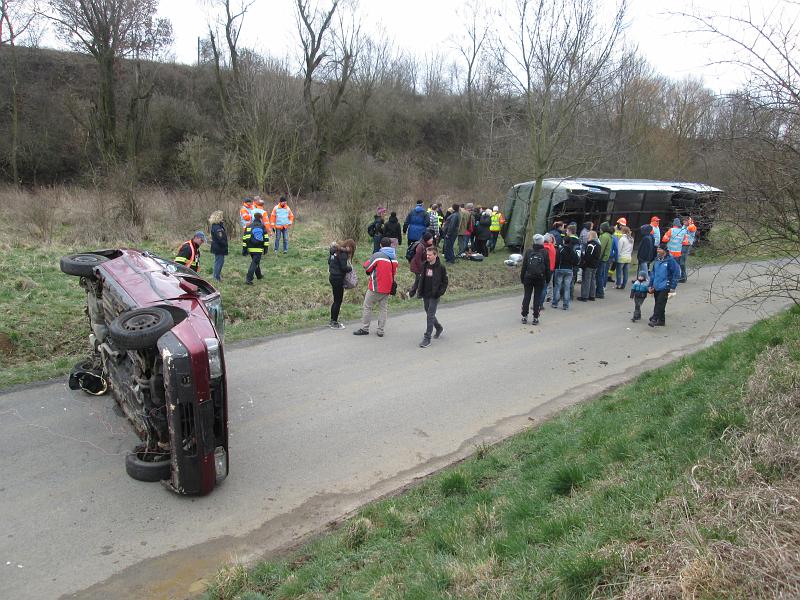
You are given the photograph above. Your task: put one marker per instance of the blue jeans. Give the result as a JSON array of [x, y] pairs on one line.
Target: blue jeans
[[449, 253], [462, 243], [285, 233], [602, 278], [562, 286], [219, 260], [622, 274], [643, 269]]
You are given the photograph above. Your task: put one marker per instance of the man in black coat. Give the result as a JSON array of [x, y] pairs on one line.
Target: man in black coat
[[535, 271], [432, 285], [647, 249], [590, 260]]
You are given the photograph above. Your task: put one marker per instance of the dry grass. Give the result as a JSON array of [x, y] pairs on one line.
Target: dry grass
[[735, 532]]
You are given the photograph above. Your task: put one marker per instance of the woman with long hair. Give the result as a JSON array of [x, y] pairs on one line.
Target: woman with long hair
[[219, 242], [339, 265]]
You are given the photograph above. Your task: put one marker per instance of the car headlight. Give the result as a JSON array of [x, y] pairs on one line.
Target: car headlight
[[214, 308], [220, 463], [214, 358]]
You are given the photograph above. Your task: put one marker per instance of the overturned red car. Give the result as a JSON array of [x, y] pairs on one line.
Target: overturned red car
[[156, 345]]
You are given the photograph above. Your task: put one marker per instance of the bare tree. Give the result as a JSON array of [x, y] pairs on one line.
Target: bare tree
[[330, 53], [16, 18], [553, 55], [230, 18], [470, 45], [109, 30]]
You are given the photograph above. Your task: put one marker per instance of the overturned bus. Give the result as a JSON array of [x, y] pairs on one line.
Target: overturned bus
[[597, 200]]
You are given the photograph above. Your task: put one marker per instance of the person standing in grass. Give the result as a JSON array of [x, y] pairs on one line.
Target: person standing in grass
[[535, 271], [381, 269], [282, 219], [663, 283], [393, 230], [450, 234], [338, 267], [219, 242], [375, 230], [416, 223], [189, 252], [432, 286], [255, 237]]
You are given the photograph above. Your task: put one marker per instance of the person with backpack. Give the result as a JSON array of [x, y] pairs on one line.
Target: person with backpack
[[375, 230], [416, 223], [535, 271], [432, 286], [415, 255], [393, 230], [590, 259], [566, 262], [255, 237]]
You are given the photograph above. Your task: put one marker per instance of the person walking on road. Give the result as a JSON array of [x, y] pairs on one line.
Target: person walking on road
[[647, 250], [189, 252], [566, 262], [663, 283], [590, 259], [432, 286], [535, 271], [416, 223], [639, 289], [255, 237], [381, 269], [219, 242], [282, 218], [338, 267]]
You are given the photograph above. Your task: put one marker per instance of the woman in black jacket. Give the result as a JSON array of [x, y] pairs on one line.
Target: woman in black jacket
[[393, 230], [338, 267], [432, 286], [219, 242]]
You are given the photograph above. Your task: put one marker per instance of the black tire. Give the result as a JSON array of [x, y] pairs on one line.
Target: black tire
[[140, 328], [147, 470], [81, 265]]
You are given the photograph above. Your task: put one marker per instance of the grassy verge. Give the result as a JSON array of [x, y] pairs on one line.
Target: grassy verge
[[590, 503], [43, 328]]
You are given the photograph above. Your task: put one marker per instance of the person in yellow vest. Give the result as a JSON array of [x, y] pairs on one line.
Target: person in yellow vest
[[282, 219], [255, 237], [498, 220], [189, 251]]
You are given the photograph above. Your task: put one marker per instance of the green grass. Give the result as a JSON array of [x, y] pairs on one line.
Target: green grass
[[44, 330], [545, 513]]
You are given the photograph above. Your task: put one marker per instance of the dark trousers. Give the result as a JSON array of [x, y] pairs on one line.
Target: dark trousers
[[449, 253], [255, 266], [482, 247], [533, 289], [637, 306], [588, 283], [602, 278], [219, 260], [376, 243], [337, 285], [493, 241], [415, 285], [659, 315], [431, 304]]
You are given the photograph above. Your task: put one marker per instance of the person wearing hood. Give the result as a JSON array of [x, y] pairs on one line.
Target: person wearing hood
[[606, 247], [675, 238], [376, 229], [432, 286], [416, 223], [535, 271], [417, 261], [219, 242], [483, 233], [647, 249], [381, 269], [393, 230]]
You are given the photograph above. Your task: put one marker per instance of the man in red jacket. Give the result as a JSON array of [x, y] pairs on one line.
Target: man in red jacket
[[381, 269]]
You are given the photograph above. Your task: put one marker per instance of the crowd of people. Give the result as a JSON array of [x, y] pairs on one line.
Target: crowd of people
[[549, 270]]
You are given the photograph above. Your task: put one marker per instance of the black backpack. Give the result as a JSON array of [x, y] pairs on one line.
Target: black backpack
[[535, 268], [411, 250], [371, 229]]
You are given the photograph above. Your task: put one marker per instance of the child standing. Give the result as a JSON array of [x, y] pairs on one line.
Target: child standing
[[639, 294]]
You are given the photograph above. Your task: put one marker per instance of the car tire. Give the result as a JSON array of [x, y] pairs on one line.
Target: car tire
[[147, 470], [81, 265], [140, 328]]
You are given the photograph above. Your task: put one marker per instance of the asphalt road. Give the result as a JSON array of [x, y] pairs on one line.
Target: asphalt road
[[321, 422]]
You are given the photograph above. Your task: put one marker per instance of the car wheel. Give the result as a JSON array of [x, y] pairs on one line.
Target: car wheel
[[148, 466], [140, 328], [81, 265]]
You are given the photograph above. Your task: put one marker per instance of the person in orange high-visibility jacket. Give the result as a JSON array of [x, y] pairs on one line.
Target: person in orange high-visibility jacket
[[282, 219], [189, 252], [675, 237], [688, 242], [246, 212]]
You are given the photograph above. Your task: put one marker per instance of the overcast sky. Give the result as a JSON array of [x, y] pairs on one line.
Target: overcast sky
[[426, 26]]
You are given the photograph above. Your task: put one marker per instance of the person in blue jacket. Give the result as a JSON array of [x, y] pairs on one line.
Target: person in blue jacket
[[416, 223], [663, 282]]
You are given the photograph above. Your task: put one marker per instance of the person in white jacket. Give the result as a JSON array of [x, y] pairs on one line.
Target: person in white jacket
[[625, 246]]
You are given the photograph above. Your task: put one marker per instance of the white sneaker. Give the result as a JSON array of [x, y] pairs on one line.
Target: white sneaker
[[336, 325]]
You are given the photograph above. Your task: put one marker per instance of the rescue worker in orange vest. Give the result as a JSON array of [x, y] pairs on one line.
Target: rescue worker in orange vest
[[282, 218], [688, 242], [189, 252], [246, 212]]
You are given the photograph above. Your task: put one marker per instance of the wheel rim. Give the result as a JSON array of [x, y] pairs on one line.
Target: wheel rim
[[142, 322], [86, 259]]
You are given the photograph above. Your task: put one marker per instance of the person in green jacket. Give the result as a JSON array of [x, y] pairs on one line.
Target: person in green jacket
[[605, 255]]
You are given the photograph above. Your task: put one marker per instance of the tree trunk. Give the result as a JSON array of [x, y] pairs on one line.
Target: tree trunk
[[14, 115], [106, 107]]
